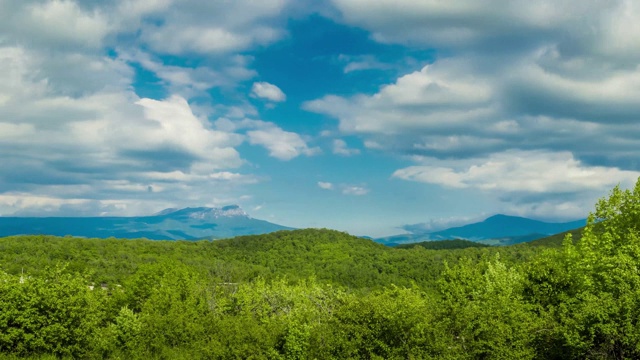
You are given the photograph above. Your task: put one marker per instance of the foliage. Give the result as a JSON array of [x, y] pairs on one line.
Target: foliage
[[444, 244], [319, 294]]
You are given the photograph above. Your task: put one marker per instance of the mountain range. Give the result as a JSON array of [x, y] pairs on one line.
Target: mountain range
[[169, 224], [230, 221], [495, 230]]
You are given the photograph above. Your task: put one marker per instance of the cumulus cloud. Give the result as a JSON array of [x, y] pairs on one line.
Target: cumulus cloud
[[530, 182], [54, 23], [213, 27], [77, 135], [437, 97], [354, 190], [282, 145], [361, 63], [512, 75], [553, 82], [264, 90], [192, 81], [573, 88], [344, 189], [71, 32], [25, 204], [81, 147], [521, 172], [340, 148], [468, 24], [325, 185]]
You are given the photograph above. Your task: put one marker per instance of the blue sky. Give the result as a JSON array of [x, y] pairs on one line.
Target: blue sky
[[355, 115]]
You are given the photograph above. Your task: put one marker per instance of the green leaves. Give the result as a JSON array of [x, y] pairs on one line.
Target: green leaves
[[317, 294], [484, 312], [53, 314]]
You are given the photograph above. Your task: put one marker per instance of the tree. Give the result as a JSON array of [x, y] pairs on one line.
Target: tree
[[55, 313], [592, 289]]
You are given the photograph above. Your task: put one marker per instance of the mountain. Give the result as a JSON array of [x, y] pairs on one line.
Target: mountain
[[169, 224], [495, 230]]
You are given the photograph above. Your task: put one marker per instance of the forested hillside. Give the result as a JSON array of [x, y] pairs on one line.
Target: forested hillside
[[321, 294], [444, 244], [331, 256]]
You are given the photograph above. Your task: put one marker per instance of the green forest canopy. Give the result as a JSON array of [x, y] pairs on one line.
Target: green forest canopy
[[323, 294]]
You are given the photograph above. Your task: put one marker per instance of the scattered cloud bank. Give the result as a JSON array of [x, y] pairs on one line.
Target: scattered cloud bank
[[534, 172], [77, 138], [345, 189], [527, 97], [340, 148], [354, 190], [531, 183], [535, 103], [95, 145]]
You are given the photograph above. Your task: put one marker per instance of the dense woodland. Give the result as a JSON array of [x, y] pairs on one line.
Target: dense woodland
[[320, 294]]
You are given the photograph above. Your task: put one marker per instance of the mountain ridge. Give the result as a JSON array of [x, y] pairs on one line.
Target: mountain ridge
[[499, 229], [189, 223]]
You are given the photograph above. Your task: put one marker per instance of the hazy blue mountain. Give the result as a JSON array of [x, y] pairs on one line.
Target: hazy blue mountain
[[169, 224], [495, 230]]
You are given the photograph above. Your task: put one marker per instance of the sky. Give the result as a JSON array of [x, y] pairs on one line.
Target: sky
[[358, 115]]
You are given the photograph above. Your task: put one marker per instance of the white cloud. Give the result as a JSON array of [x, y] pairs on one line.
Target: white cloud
[[345, 189], [192, 81], [582, 88], [282, 145], [139, 8], [529, 183], [26, 204], [52, 24], [179, 40], [473, 23], [264, 90], [438, 96], [558, 76], [340, 148], [526, 172], [354, 190], [437, 224], [229, 176], [178, 127], [214, 27], [325, 185], [8, 131], [79, 139], [361, 63], [75, 146]]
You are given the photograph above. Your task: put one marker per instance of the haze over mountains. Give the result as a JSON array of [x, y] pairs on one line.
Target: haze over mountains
[[495, 230], [229, 221], [169, 224]]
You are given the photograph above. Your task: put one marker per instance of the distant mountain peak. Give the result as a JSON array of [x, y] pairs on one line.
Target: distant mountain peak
[[204, 212], [501, 216], [170, 224], [497, 218], [502, 228], [165, 211]]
